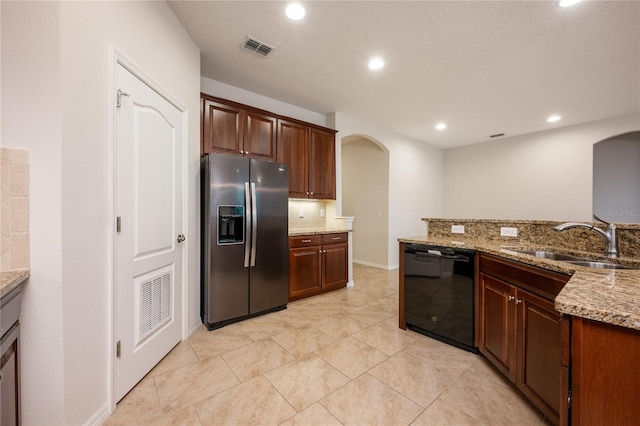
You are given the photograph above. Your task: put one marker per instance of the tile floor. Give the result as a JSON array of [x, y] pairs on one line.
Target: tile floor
[[334, 359]]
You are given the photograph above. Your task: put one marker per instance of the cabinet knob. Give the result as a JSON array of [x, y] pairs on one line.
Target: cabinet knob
[[510, 297], [518, 301], [246, 152]]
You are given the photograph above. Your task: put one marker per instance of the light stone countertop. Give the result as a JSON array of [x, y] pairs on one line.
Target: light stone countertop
[[12, 279], [607, 295], [294, 232]]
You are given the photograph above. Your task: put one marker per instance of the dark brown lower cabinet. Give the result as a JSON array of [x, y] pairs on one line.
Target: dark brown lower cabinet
[[521, 333], [605, 374], [317, 264], [539, 353], [10, 358]]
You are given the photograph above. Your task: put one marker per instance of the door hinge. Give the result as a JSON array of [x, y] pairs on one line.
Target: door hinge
[[119, 98], [569, 400], [118, 349], [118, 224]]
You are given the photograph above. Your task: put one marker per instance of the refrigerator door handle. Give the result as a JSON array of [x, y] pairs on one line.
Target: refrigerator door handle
[[247, 224], [254, 224]]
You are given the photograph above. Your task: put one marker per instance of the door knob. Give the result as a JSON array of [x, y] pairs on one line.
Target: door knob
[[181, 238]]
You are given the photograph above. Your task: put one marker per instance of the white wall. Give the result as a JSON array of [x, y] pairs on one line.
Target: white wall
[[365, 195], [58, 66], [236, 94], [32, 119], [545, 175], [415, 179]]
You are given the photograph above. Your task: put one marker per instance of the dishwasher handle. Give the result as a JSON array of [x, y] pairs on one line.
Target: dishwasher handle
[[435, 252]]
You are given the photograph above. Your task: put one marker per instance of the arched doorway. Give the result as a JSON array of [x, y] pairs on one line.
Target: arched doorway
[[616, 178], [365, 195]]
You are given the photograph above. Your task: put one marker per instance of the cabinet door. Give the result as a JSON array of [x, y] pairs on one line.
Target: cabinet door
[[539, 353], [335, 266], [498, 342], [222, 128], [605, 373], [322, 164], [260, 136], [293, 149], [304, 272], [9, 379]]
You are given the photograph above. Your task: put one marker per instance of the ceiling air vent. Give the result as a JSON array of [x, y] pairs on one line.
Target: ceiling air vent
[[257, 46]]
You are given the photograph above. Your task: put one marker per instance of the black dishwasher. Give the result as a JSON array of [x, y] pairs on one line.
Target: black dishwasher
[[439, 293]]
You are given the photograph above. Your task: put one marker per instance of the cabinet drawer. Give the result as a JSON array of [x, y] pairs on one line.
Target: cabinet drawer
[[342, 237], [10, 307], [304, 241]]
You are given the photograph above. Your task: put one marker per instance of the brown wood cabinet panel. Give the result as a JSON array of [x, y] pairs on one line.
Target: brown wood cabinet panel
[[304, 272], [222, 128], [605, 374], [233, 128], [498, 341], [260, 137], [293, 149], [322, 160], [337, 238], [328, 271], [335, 268], [539, 353], [521, 333], [305, 241]]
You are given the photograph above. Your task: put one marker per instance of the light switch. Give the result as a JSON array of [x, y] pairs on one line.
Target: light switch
[[301, 213]]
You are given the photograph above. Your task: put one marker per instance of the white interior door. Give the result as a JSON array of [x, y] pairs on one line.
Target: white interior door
[[149, 200]]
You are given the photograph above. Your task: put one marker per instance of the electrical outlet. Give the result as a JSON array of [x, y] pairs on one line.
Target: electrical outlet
[[457, 229], [508, 232], [301, 213]]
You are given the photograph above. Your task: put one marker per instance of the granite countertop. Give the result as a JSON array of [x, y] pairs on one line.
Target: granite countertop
[[293, 232], [12, 279], [607, 295]]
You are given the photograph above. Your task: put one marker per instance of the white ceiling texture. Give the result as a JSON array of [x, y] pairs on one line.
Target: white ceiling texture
[[483, 67]]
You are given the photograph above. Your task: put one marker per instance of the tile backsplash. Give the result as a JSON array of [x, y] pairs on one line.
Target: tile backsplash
[[14, 209], [313, 212]]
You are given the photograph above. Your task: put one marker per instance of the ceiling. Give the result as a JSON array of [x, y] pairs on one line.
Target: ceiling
[[483, 67]]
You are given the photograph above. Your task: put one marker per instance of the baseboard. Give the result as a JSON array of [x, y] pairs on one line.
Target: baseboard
[[193, 327], [376, 265], [99, 416]]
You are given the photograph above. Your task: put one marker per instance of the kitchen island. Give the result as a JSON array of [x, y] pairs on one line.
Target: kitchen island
[[591, 327]]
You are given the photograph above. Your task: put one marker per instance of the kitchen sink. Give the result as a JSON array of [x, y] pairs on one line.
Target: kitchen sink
[[573, 260], [597, 264], [551, 255]]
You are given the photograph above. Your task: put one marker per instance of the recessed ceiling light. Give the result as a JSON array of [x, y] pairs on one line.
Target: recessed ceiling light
[[567, 3], [554, 118], [441, 126], [376, 64], [295, 11]]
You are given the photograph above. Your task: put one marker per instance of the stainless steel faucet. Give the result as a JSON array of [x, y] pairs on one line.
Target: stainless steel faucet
[[609, 236]]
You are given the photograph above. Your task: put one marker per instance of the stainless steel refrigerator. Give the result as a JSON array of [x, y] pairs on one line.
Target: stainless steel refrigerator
[[245, 259]]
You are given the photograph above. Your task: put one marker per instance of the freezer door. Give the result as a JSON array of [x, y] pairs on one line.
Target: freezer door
[[269, 277], [225, 279]]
